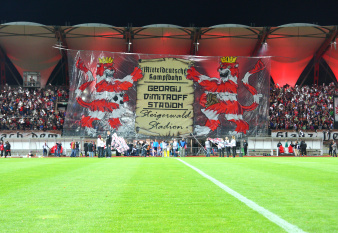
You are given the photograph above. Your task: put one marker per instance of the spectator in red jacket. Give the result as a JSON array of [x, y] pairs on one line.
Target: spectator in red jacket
[[2, 148]]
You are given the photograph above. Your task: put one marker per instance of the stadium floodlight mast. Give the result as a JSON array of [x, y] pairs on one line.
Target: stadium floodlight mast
[[59, 45], [196, 46], [129, 44]]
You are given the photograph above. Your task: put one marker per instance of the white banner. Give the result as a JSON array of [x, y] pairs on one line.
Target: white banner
[[29, 134], [324, 134]]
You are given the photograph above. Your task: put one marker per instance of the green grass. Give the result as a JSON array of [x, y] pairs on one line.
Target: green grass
[[164, 195]]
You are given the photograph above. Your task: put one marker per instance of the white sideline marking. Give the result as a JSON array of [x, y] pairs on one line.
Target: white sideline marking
[[266, 213]]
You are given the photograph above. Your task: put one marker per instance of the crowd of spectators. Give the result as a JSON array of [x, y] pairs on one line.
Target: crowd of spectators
[[291, 108], [31, 108], [302, 108]]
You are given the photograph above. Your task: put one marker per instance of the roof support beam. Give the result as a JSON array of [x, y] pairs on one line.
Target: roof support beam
[[333, 78], [13, 75], [129, 36], [195, 36], [330, 36], [2, 68], [261, 39], [61, 37]]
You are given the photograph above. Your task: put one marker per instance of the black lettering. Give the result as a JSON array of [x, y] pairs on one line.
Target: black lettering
[[334, 136], [279, 134], [327, 135], [153, 124]]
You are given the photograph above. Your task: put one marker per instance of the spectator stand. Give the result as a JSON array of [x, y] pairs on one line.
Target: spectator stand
[[31, 108]]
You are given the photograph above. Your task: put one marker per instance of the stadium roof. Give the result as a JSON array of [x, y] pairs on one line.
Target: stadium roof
[[30, 46]]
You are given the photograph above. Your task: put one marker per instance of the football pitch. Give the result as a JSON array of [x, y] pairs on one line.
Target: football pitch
[[266, 194]]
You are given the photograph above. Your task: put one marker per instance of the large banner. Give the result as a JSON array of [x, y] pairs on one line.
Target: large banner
[[164, 98], [144, 96]]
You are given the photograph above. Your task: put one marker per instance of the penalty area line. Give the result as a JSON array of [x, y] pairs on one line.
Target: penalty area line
[[266, 213]]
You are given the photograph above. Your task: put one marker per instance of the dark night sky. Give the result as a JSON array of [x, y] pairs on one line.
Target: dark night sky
[[183, 13]]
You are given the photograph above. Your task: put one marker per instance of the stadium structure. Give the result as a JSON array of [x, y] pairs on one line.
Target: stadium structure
[[168, 83], [298, 54]]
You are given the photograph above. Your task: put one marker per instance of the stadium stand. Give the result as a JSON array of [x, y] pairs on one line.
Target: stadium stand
[[291, 108], [302, 108], [31, 109]]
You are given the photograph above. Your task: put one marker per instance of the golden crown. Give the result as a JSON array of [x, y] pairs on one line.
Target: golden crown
[[228, 59], [106, 60]]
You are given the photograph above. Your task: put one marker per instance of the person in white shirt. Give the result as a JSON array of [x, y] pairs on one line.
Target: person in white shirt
[[208, 147], [44, 147], [227, 146], [334, 149], [221, 147], [164, 147], [233, 146], [175, 148], [100, 146]]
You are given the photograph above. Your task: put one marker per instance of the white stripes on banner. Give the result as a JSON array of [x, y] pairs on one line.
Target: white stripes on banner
[[266, 213]]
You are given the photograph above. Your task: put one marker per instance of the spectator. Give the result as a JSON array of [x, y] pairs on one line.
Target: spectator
[[138, 148], [334, 146], [245, 146], [91, 149], [85, 147], [7, 148], [233, 146], [2, 148], [175, 147], [227, 146], [73, 147], [208, 147], [155, 147], [44, 147], [303, 148], [330, 147], [296, 148], [77, 149], [183, 146], [58, 149], [100, 145]]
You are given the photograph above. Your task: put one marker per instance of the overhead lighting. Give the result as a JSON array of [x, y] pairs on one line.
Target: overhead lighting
[[334, 43], [59, 45]]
